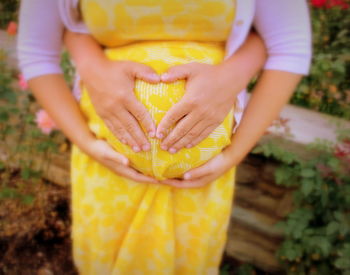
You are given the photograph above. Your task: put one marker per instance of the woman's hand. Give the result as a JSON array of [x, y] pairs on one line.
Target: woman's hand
[[211, 91], [210, 94], [208, 172], [102, 152], [110, 85], [111, 88]]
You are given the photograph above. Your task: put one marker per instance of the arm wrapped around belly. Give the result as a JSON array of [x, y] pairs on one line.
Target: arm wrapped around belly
[[158, 99]]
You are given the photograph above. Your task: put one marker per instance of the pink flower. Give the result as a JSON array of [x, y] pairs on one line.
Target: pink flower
[[12, 28], [22, 82], [45, 122], [318, 3]]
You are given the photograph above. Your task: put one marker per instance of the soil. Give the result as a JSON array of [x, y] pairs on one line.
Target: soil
[[35, 237]]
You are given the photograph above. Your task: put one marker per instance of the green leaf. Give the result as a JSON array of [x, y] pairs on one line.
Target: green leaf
[[307, 173], [332, 228], [25, 173], [306, 187], [325, 246], [342, 263], [28, 199], [8, 193]]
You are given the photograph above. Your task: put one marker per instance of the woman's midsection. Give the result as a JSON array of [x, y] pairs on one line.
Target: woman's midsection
[[158, 99]]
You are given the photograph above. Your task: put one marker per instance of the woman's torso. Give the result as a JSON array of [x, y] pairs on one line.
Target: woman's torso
[[116, 22], [161, 34]]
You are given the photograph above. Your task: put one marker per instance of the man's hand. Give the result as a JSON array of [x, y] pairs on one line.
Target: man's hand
[[208, 172], [102, 152]]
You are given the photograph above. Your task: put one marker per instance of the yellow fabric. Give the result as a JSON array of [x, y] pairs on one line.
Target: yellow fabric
[[115, 22], [123, 227]]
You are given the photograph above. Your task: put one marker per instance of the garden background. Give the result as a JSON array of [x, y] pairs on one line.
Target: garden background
[[309, 184]]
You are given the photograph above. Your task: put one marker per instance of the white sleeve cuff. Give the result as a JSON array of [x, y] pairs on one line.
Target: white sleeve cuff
[[39, 69], [288, 63]]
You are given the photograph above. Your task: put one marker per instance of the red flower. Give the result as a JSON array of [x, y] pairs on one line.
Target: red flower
[[318, 3], [330, 4], [12, 28], [339, 3]]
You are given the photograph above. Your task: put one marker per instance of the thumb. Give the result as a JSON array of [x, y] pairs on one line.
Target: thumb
[[146, 73], [110, 154], [205, 169], [176, 72]]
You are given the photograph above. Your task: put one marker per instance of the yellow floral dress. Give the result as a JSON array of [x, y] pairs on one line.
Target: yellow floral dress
[[124, 227]]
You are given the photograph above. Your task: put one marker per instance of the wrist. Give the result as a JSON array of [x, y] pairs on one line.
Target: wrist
[[92, 66], [232, 73]]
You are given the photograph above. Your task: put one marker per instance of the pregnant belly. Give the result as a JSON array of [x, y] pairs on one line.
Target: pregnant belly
[[158, 99]]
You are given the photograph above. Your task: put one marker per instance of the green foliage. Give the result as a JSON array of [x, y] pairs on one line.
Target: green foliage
[[67, 67], [317, 231], [20, 135], [12, 193], [246, 269], [327, 88], [8, 12]]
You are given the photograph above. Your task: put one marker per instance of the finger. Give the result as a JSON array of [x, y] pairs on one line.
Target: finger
[[146, 73], [133, 128], [181, 129], [140, 112], [178, 111], [110, 154], [188, 138], [199, 172], [187, 183], [134, 175], [123, 136], [205, 133], [205, 170], [175, 73]]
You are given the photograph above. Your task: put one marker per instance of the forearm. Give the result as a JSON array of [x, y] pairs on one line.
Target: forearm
[[52, 92], [271, 93], [246, 62], [84, 50]]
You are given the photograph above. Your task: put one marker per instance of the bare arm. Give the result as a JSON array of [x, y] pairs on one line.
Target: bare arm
[[269, 96], [53, 94]]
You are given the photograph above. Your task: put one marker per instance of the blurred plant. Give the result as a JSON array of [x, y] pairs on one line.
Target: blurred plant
[[327, 88], [45, 122], [317, 231], [19, 132], [12, 28], [8, 12]]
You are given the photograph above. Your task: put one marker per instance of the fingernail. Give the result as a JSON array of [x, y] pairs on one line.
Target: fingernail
[[165, 148], [151, 134], [160, 135], [146, 147], [165, 76], [125, 161], [187, 176], [188, 146], [136, 149], [172, 150], [154, 77]]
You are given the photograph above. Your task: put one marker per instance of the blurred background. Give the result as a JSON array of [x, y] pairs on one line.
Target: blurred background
[[292, 207]]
